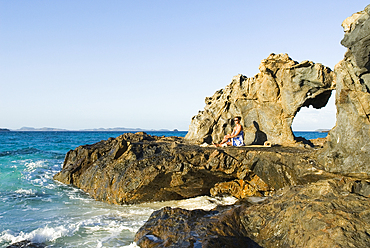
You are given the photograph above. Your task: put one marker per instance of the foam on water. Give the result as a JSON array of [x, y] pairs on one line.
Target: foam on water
[[25, 191], [200, 202], [39, 235], [104, 225]]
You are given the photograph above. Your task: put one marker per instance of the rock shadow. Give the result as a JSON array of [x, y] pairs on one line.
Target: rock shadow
[[260, 137], [304, 141]]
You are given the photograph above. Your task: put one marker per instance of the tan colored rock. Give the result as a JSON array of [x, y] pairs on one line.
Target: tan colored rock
[[319, 142], [242, 188], [348, 147], [267, 102], [259, 184]]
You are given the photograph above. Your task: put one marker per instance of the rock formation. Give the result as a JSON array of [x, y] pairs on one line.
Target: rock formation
[[326, 213], [267, 102], [348, 147], [330, 213], [135, 168], [314, 197]]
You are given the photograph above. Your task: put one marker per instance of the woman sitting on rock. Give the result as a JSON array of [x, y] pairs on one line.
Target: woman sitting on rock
[[235, 138]]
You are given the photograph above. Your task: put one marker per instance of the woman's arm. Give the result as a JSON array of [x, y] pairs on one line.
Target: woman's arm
[[236, 131]]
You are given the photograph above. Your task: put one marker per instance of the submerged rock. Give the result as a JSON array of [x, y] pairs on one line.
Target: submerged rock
[[348, 147], [327, 213], [267, 103], [26, 244]]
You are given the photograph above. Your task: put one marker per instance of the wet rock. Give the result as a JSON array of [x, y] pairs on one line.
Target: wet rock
[[327, 213], [26, 244], [175, 227], [135, 168], [348, 148], [267, 103]]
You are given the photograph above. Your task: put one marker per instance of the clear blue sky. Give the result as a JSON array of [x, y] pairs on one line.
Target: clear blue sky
[[150, 64]]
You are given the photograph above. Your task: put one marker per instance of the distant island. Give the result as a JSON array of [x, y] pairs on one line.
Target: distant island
[[30, 129], [116, 129]]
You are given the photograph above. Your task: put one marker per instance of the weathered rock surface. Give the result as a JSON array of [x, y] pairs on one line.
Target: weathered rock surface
[[348, 147], [267, 102], [328, 213], [175, 227], [135, 168]]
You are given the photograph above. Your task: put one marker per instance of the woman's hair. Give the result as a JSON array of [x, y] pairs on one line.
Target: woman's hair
[[239, 118]]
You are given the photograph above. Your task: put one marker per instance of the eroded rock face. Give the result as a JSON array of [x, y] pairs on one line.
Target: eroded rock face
[[267, 102], [348, 147], [177, 227], [134, 168], [329, 213]]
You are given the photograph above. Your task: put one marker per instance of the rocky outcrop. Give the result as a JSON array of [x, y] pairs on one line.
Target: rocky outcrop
[[267, 102], [175, 227], [329, 213], [135, 168], [313, 197], [348, 148], [326, 213]]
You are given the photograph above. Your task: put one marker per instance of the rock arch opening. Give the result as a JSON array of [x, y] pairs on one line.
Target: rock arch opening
[[321, 118]]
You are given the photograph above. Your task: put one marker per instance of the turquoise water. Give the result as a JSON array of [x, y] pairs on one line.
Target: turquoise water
[[35, 207]]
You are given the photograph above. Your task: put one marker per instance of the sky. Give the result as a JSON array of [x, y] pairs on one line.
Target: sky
[[150, 64]]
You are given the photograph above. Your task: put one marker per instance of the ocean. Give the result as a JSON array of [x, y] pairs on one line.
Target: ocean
[[35, 207]]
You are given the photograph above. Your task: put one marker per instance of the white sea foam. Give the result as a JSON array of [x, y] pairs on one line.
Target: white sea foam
[[26, 191], [102, 229], [39, 235], [110, 223], [200, 202], [132, 245], [32, 166]]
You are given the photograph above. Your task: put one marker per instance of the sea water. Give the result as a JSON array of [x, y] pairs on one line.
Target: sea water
[[35, 207]]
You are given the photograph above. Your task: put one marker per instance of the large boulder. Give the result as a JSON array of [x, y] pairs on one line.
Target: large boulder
[[134, 168], [267, 103], [328, 213], [348, 146]]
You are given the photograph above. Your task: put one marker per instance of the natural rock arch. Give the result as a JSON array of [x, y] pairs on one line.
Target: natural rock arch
[[267, 102]]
